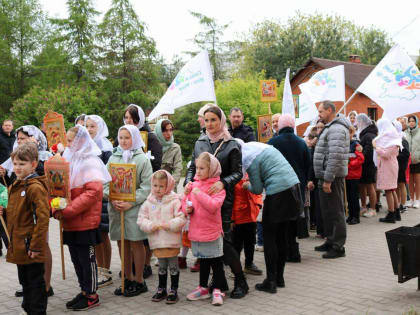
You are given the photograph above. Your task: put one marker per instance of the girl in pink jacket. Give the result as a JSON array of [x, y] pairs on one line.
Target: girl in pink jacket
[[161, 217], [205, 230]]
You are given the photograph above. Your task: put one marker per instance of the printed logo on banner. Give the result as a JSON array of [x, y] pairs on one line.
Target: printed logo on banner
[[184, 80], [321, 79], [399, 82]]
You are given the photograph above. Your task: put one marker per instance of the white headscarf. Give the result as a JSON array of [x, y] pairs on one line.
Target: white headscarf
[[362, 122], [100, 139], [398, 127], [137, 142], [142, 117], [387, 136], [85, 165], [250, 151], [43, 153]]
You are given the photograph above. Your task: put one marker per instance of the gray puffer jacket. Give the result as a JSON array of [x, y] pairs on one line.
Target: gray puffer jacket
[[332, 150]]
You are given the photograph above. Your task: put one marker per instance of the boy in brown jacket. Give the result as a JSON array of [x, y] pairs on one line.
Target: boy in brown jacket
[[27, 216]]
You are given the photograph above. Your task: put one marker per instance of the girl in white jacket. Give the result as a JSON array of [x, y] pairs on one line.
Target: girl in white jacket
[[161, 217]]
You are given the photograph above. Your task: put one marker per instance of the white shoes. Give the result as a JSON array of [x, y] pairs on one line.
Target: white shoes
[[416, 204], [259, 248], [370, 213], [409, 203]]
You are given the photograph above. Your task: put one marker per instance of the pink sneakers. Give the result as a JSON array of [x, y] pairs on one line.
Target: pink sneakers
[[217, 297], [199, 294]]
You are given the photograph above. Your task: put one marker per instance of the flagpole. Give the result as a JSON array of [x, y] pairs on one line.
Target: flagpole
[[348, 101]]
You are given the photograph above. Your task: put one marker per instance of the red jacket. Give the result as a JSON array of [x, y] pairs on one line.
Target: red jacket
[[355, 165], [246, 206], [84, 212]]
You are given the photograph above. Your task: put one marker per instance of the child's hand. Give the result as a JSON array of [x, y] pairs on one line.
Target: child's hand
[[359, 148], [196, 190], [32, 254], [58, 214], [156, 227], [2, 171], [216, 188], [189, 209], [125, 205], [245, 185], [374, 143], [187, 188], [311, 185]]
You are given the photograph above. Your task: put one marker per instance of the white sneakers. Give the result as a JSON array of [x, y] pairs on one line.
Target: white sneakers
[[413, 204], [370, 213], [105, 277], [416, 204], [409, 203]]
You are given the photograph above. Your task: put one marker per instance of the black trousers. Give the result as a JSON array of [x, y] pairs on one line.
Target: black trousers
[[352, 190], [216, 264], [275, 248], [230, 255], [84, 261], [316, 210], [244, 237], [35, 299]]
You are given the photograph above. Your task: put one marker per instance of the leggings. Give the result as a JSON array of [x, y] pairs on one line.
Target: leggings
[[218, 274], [230, 255], [169, 262]]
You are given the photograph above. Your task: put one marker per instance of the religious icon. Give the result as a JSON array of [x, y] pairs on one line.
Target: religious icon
[[54, 129], [123, 184], [57, 171], [264, 130], [296, 105], [144, 136], [268, 90]]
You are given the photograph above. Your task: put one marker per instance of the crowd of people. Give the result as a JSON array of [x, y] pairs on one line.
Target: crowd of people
[[235, 190]]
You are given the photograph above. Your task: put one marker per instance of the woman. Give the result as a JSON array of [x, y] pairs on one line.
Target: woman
[[413, 138], [296, 152], [352, 117], [172, 157], [134, 115], [98, 131], [387, 145], [367, 131], [220, 143], [268, 169]]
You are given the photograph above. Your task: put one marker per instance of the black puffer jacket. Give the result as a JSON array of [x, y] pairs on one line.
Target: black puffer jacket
[[6, 145], [153, 145], [243, 132], [230, 158], [366, 137]]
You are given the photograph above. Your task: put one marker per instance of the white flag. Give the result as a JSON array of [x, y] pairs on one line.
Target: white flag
[[193, 83], [325, 85], [394, 84], [307, 109], [288, 106]]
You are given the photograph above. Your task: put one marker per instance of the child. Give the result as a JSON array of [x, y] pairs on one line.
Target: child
[[27, 224], [81, 218], [246, 208], [352, 180], [130, 151], [387, 145], [98, 131], [205, 231], [161, 217]]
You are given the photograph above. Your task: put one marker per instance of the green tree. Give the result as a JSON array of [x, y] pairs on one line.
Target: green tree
[[211, 40], [69, 101], [21, 29], [127, 57], [373, 44], [169, 71], [77, 34]]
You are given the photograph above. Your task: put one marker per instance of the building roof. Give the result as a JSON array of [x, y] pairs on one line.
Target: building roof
[[354, 72]]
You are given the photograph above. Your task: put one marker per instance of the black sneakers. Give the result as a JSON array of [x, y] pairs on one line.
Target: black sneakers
[[390, 218], [252, 269], [85, 303], [323, 248], [136, 288], [75, 300], [267, 286], [160, 295]]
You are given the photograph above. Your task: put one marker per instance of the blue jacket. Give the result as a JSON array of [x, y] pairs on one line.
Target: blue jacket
[[296, 152], [270, 170]]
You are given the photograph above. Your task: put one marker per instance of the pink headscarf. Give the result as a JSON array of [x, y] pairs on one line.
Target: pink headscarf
[[286, 120], [223, 132], [170, 181], [215, 168]]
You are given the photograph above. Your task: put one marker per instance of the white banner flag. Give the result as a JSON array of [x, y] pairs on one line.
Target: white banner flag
[[394, 84], [325, 85], [307, 110], [193, 83], [288, 106]]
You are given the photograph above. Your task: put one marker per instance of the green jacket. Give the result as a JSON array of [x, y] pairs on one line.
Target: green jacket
[[172, 162], [413, 138]]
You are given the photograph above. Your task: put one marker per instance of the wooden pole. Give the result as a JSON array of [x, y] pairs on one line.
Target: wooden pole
[[348, 101], [5, 183], [5, 228], [63, 267], [122, 227], [269, 108]]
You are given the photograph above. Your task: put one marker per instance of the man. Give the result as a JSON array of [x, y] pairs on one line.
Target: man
[[237, 129], [275, 124], [7, 139], [330, 165]]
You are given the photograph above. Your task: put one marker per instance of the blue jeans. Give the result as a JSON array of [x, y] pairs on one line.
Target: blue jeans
[[260, 238]]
